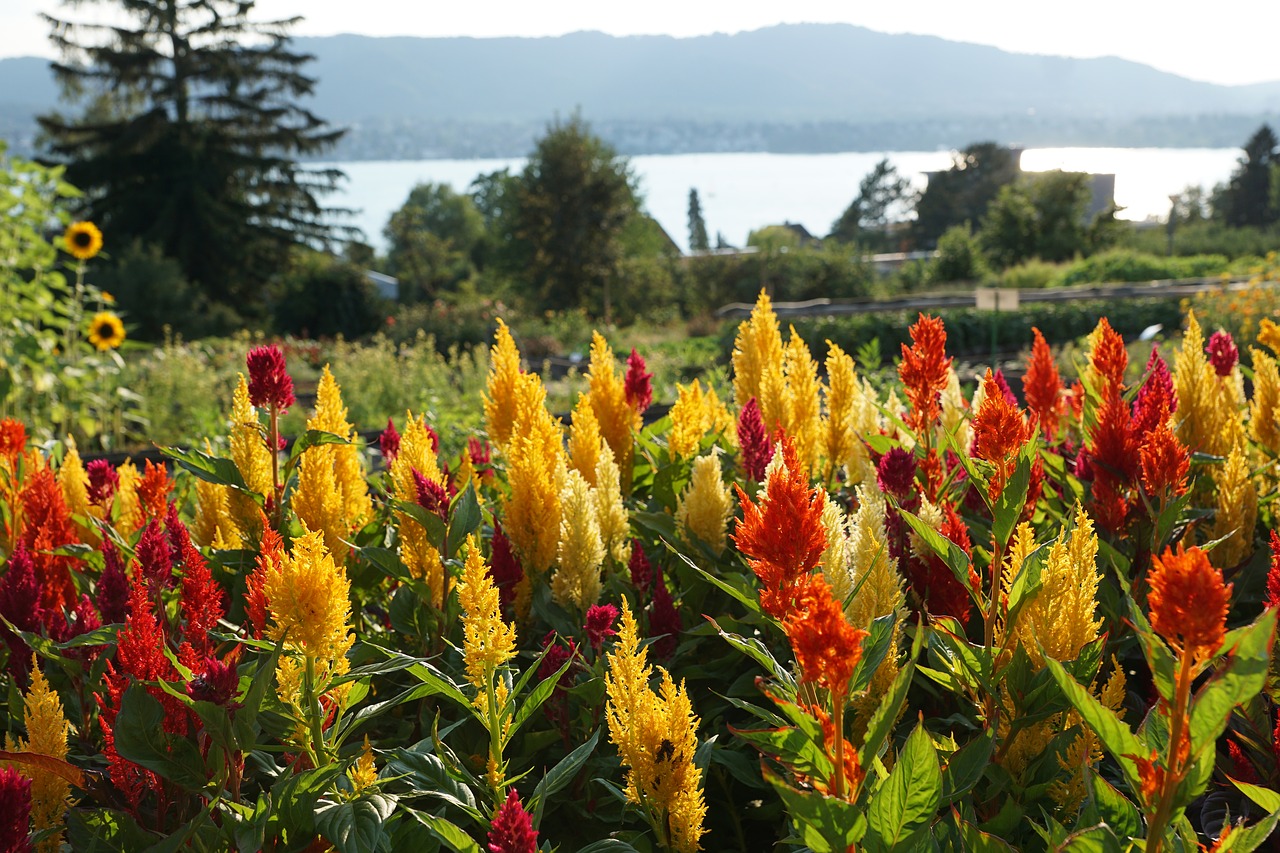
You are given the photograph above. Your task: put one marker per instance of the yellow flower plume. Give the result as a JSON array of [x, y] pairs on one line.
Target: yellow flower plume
[[504, 377], [47, 732], [706, 504], [576, 583], [656, 737], [1237, 505], [488, 642], [608, 395], [757, 345], [416, 551]]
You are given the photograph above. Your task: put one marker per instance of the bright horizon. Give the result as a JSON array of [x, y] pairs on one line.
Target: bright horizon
[[1233, 44]]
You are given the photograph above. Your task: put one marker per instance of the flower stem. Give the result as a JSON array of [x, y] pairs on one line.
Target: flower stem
[[1175, 772], [314, 713]]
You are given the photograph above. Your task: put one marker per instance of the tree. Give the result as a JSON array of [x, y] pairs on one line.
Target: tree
[[189, 135], [1044, 215], [432, 240], [1247, 199], [961, 194], [697, 227], [881, 193], [570, 206]]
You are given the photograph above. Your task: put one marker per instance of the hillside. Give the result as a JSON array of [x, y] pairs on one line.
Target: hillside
[[805, 87]]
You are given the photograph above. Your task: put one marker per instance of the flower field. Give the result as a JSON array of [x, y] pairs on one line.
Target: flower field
[[803, 610]]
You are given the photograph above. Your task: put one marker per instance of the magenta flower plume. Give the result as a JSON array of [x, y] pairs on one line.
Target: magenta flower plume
[[664, 620], [389, 442], [103, 482], [1223, 353], [270, 384], [512, 828], [155, 560], [638, 383], [640, 569], [113, 585], [753, 438], [505, 567], [896, 473], [15, 811], [599, 627], [217, 684], [431, 495]]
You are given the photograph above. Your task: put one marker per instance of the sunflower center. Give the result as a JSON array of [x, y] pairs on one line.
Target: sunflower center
[[82, 239]]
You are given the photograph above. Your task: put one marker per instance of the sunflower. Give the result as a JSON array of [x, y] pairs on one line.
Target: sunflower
[[84, 240], [106, 331]]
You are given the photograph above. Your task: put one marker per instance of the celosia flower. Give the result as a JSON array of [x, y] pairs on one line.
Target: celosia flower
[[581, 552], [999, 434], [307, 595], [1273, 574], [556, 656], [1042, 386], [655, 734], [753, 439], [1108, 358], [481, 456], [826, 646], [704, 508], [599, 624], [757, 346], [536, 466], [13, 439], [923, 371], [15, 811], [74, 482], [1237, 509], [20, 604], [1269, 335], [389, 442], [1062, 618], [511, 830], [1264, 407], [363, 774], [47, 732], [617, 417], [584, 439], [48, 527], [416, 551], [1223, 353], [153, 490], [638, 383], [782, 534], [270, 385], [688, 420], [218, 683], [665, 624], [504, 378], [1188, 601], [505, 567], [802, 415], [488, 641], [431, 495], [640, 570], [896, 473], [103, 482], [1165, 463]]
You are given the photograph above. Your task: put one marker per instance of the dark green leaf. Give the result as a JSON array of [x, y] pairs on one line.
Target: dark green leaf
[[213, 469], [447, 832], [1114, 734], [1114, 808], [355, 826], [909, 798], [433, 524], [140, 737], [464, 519], [309, 439], [885, 716], [1008, 508], [965, 767], [951, 553], [558, 777], [1242, 678]]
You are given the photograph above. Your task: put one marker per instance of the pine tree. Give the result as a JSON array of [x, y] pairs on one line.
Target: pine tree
[[697, 226], [189, 136], [1247, 198]]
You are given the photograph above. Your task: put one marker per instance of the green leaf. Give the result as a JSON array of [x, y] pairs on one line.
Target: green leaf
[[140, 737], [433, 524], [909, 798], [447, 832], [951, 553], [309, 439], [105, 831], [1114, 808], [608, 845], [1027, 583], [1095, 839], [750, 601], [1008, 509], [535, 698], [355, 826], [885, 716], [1242, 678], [464, 519], [558, 777], [875, 646], [826, 824], [428, 776], [213, 469], [964, 768], [758, 652], [1114, 734]]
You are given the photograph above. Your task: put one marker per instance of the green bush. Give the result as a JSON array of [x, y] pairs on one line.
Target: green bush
[[959, 257], [969, 330], [151, 288], [1205, 238], [1128, 265], [1031, 275], [832, 271], [325, 296]]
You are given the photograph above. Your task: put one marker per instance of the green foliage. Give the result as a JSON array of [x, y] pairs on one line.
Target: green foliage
[[959, 257], [961, 194], [433, 241], [160, 298], [1128, 265], [882, 194], [832, 271], [775, 239], [321, 296], [1204, 238], [195, 148], [1044, 216], [1033, 274], [1248, 198]]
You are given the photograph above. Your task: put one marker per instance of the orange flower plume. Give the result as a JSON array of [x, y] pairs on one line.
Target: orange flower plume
[[1042, 386], [782, 535], [1189, 601], [826, 646], [1109, 358], [1165, 463], [999, 432], [923, 371]]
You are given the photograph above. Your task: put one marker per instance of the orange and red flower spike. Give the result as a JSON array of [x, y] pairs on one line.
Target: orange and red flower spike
[[1188, 601]]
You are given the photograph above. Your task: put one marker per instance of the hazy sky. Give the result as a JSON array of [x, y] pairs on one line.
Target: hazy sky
[[1225, 41]]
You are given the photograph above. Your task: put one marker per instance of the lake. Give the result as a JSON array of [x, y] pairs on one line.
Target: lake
[[742, 192]]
